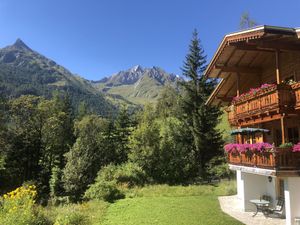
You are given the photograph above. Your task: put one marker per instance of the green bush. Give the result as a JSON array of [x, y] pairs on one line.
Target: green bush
[[105, 190], [130, 174], [127, 174], [112, 177]]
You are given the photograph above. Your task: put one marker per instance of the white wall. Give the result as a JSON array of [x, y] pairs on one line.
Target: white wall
[[292, 199], [252, 186], [239, 184]]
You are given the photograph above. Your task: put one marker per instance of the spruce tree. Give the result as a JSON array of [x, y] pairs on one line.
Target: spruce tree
[[123, 128], [200, 118]]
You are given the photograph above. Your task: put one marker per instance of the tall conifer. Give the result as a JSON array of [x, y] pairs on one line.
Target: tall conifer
[[201, 119]]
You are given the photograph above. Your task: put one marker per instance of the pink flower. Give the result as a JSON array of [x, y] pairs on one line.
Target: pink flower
[[230, 147], [252, 91], [296, 147], [257, 147]]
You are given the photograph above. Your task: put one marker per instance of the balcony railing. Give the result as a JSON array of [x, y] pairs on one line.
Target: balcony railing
[[296, 89], [278, 98], [279, 159]]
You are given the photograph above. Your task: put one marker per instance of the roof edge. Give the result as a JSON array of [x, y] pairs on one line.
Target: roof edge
[[261, 28]]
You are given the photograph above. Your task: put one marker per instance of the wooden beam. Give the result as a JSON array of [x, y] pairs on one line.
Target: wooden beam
[[253, 48], [279, 46], [266, 46], [277, 63], [231, 54], [236, 69]]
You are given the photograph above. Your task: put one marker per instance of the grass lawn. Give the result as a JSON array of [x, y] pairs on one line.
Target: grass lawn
[[190, 210], [164, 205], [154, 205]]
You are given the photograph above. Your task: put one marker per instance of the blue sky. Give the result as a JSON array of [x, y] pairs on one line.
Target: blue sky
[[95, 38]]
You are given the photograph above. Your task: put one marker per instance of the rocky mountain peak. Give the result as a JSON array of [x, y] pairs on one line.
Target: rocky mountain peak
[[136, 69], [21, 45]]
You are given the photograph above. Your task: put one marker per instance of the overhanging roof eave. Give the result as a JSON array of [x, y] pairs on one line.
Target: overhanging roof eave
[[263, 29]]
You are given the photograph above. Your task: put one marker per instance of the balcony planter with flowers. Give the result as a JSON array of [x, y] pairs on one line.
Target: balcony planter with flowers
[[264, 155], [247, 153], [254, 92]]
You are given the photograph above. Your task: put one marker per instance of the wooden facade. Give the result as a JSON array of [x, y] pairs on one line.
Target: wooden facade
[[249, 59]]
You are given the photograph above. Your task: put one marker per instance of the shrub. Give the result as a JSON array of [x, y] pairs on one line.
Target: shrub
[[127, 174], [17, 207], [111, 177], [130, 174], [105, 190]]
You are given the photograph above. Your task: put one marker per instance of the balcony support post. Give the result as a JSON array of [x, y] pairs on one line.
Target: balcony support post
[[239, 136], [277, 66], [282, 129]]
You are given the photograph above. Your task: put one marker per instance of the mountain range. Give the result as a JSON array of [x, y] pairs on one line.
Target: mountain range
[[137, 84], [25, 71]]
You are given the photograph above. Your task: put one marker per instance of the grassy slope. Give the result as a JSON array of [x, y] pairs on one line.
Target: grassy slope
[[190, 210], [164, 205], [155, 204]]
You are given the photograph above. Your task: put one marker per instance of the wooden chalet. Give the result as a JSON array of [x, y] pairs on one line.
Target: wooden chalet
[[259, 72]]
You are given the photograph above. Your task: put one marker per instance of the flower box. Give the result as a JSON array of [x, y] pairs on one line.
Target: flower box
[[254, 92]]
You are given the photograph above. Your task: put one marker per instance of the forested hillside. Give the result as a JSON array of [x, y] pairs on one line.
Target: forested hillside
[[23, 71]]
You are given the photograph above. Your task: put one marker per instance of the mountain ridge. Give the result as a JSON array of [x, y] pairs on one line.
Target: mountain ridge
[[24, 71], [137, 84]]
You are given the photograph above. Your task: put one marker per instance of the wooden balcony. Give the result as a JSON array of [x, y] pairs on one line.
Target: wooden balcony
[[279, 159], [296, 89], [231, 116], [263, 106]]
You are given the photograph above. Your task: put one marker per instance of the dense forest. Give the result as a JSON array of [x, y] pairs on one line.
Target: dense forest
[[72, 154]]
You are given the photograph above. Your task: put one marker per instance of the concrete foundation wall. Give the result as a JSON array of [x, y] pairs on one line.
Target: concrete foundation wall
[[292, 199], [252, 186]]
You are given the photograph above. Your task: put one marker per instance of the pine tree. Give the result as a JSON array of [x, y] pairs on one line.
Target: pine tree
[[201, 119]]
